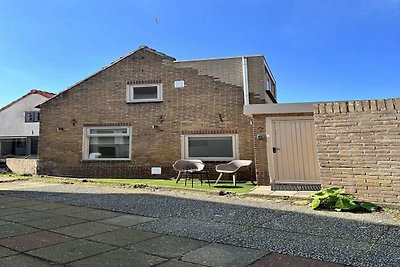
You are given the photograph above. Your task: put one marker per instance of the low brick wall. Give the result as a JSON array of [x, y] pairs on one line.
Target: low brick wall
[[358, 145], [112, 170], [22, 166]]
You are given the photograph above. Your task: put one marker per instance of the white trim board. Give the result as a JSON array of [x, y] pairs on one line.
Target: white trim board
[[278, 108]]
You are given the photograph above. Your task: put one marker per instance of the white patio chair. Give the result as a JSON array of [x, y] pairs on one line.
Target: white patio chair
[[231, 167]]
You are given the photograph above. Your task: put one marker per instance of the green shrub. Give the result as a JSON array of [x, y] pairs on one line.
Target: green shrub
[[337, 199]]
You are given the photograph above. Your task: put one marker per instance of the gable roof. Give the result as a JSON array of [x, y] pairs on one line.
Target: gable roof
[[32, 92], [142, 47]]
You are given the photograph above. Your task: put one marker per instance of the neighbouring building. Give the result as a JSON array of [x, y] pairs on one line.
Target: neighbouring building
[[19, 125], [147, 109]]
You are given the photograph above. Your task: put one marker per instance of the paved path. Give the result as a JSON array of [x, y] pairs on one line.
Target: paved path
[[74, 225]]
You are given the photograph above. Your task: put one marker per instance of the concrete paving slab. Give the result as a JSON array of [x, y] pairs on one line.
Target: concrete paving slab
[[266, 191], [22, 260], [69, 210], [3, 222], [302, 194], [24, 203], [178, 263], [261, 190], [329, 249], [4, 252], [223, 255], [54, 222], [11, 211], [120, 257], [327, 226], [85, 229], [46, 206], [27, 216], [283, 193], [201, 230], [70, 251], [13, 229], [33, 241], [168, 246], [95, 215], [123, 237], [127, 220], [5, 199], [274, 260]]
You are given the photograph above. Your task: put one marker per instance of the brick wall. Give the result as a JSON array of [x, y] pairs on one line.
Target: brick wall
[[229, 70], [101, 99], [257, 76], [224, 69], [260, 150], [358, 145]]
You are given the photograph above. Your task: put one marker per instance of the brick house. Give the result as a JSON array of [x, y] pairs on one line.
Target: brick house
[[147, 110]]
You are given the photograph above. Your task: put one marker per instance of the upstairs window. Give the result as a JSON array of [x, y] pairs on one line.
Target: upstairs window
[[267, 85], [32, 116], [144, 93], [107, 143]]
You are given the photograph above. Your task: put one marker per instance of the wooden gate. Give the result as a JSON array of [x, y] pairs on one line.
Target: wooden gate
[[292, 152]]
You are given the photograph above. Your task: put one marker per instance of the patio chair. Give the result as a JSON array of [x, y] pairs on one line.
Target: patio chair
[[231, 167], [191, 167]]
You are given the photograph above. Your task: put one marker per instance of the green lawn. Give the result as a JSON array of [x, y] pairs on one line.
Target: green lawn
[[222, 186], [226, 186]]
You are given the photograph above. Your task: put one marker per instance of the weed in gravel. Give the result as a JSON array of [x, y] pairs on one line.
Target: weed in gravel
[[339, 200]]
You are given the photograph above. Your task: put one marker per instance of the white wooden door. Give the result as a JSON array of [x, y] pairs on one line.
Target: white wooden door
[[292, 150]]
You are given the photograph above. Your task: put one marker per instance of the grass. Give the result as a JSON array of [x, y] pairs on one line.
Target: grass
[[241, 187], [222, 186]]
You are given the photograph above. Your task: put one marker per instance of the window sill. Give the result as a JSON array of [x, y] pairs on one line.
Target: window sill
[[106, 160], [144, 101], [214, 160]]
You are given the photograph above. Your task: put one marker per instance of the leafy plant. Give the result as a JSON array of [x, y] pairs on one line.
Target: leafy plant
[[339, 200]]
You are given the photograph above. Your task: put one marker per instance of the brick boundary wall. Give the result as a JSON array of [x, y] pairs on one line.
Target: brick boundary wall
[[358, 144]]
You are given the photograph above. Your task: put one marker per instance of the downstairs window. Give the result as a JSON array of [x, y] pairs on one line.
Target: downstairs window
[[218, 147], [107, 143]]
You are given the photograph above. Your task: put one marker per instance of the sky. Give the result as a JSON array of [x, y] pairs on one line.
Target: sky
[[317, 50]]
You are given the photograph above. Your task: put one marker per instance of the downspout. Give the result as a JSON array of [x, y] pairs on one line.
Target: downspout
[[245, 81]]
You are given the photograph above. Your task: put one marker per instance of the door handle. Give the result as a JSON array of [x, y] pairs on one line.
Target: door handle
[[274, 149]]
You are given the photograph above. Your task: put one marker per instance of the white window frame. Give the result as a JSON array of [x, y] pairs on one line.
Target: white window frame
[[87, 134], [185, 147], [130, 93]]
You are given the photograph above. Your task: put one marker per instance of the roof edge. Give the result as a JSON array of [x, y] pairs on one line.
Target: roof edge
[[110, 65], [216, 58], [48, 95]]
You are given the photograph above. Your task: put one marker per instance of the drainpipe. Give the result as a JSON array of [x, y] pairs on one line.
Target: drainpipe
[[245, 81]]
